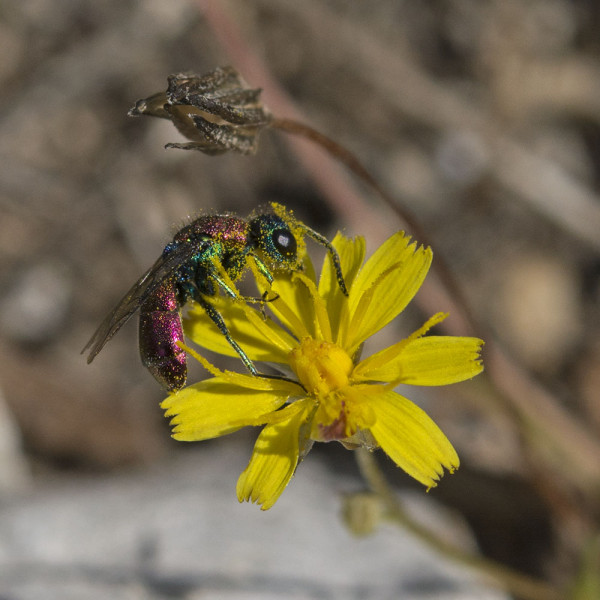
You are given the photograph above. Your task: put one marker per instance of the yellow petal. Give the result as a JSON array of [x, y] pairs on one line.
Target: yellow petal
[[365, 370], [432, 360], [212, 408], [322, 324], [286, 288], [274, 458], [390, 279], [265, 383], [294, 308], [411, 439], [352, 254], [365, 316], [258, 347]]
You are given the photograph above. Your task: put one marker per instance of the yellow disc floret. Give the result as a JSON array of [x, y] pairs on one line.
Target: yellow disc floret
[[321, 367], [324, 370]]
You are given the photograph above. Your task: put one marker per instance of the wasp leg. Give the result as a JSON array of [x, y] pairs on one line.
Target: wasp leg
[[262, 301], [217, 319], [262, 268], [215, 316], [335, 257], [226, 287]]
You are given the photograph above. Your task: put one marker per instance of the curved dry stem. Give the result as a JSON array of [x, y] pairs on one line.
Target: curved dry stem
[[523, 586], [351, 161]]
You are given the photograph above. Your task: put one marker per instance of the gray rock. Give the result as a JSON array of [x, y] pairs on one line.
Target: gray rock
[[179, 532]]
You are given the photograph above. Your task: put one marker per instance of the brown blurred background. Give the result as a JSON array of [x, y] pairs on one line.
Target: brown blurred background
[[483, 118]]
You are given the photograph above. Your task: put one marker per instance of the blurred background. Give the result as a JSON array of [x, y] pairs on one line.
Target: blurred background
[[482, 119]]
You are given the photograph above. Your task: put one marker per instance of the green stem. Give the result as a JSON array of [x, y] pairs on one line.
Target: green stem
[[523, 586]]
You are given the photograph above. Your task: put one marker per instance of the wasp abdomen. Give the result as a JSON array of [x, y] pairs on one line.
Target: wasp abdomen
[[160, 330]]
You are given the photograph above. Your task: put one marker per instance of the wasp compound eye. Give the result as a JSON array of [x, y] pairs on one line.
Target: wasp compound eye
[[285, 243]]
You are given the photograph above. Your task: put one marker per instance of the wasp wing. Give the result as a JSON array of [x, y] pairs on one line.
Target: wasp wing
[[166, 266]]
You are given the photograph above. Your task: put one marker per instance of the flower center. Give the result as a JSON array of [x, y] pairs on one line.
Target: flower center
[[321, 367]]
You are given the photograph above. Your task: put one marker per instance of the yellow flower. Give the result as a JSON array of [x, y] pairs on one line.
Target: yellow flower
[[332, 394]]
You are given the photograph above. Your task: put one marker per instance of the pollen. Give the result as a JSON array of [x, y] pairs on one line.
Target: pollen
[[322, 367]]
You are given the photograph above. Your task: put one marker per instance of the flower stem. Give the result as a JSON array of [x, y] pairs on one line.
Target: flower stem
[[523, 586]]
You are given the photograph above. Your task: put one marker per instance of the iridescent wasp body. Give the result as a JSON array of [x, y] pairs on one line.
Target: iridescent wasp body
[[191, 267]]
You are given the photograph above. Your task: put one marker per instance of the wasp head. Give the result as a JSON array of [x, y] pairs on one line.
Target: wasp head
[[272, 236]]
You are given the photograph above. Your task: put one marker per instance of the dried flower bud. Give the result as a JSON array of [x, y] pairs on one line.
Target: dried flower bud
[[216, 111], [362, 513]]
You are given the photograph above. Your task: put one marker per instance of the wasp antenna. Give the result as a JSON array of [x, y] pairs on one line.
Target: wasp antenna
[[335, 257]]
